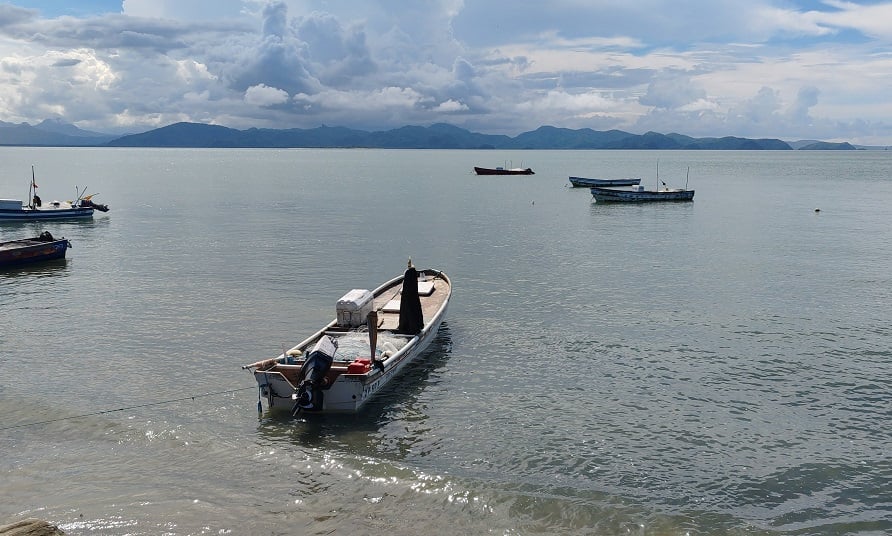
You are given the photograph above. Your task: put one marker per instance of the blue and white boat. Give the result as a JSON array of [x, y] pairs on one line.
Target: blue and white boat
[[637, 194], [37, 210]]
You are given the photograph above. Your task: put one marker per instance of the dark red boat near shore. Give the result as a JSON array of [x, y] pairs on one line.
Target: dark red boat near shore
[[30, 250], [502, 171]]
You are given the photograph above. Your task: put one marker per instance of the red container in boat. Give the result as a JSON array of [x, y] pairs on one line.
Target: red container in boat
[[360, 365]]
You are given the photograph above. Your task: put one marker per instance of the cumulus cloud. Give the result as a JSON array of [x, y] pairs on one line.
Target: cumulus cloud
[[790, 68], [561, 100], [758, 109], [450, 106], [672, 90], [262, 95]]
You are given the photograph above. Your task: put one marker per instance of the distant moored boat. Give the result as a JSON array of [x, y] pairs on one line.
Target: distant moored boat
[[503, 171], [588, 183], [637, 194]]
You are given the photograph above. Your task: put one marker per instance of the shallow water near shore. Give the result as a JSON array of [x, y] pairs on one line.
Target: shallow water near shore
[[714, 367]]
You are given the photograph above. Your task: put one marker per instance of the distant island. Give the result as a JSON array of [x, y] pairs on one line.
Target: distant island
[[438, 136]]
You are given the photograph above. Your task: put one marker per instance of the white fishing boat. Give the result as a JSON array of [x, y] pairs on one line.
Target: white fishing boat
[[374, 336], [37, 210]]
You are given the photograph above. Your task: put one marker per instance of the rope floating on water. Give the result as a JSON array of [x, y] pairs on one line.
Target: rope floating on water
[[103, 412]]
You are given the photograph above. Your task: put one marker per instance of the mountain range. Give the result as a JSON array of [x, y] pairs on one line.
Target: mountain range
[[55, 133]]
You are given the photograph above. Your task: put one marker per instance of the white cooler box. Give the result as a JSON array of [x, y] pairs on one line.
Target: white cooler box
[[354, 308]]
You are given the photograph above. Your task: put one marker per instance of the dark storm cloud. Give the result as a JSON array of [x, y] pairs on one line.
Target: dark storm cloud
[[338, 55], [279, 59]]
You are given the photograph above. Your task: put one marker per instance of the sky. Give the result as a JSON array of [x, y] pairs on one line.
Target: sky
[[787, 69]]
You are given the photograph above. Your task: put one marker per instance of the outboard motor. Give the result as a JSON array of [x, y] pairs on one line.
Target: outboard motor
[[313, 373], [88, 203]]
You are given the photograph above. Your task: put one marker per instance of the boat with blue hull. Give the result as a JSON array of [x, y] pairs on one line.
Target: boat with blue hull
[[637, 194], [37, 210], [15, 210], [25, 251], [584, 182], [374, 336]]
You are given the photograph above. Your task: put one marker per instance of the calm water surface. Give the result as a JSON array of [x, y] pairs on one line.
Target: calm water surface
[[715, 367]]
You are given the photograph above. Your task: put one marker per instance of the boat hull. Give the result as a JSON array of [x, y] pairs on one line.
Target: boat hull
[[588, 183], [31, 250], [278, 379], [503, 171], [44, 214], [611, 195]]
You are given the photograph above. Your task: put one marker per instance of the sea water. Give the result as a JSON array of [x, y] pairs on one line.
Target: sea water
[[713, 367]]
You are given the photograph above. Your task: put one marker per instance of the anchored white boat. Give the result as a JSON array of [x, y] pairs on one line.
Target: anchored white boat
[[376, 333], [36, 210]]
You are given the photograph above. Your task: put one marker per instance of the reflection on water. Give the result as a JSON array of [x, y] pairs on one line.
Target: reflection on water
[[37, 269], [357, 434], [24, 229], [79, 232]]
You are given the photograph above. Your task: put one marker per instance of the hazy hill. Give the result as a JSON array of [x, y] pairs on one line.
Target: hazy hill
[[817, 145], [50, 133], [828, 146], [548, 137], [55, 133], [438, 136], [59, 127]]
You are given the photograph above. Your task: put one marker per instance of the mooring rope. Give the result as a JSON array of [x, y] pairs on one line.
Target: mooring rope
[[103, 412]]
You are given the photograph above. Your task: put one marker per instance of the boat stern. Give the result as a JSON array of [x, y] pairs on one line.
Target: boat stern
[[276, 388]]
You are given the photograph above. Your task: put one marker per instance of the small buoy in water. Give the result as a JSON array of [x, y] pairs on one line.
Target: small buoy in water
[[817, 210], [533, 203]]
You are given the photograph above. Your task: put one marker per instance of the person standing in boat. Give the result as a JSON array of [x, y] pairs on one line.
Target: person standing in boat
[[35, 201], [411, 317]]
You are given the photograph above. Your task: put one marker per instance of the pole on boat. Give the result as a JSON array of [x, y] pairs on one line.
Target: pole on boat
[[688, 176], [658, 173], [31, 187], [373, 339], [79, 193]]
